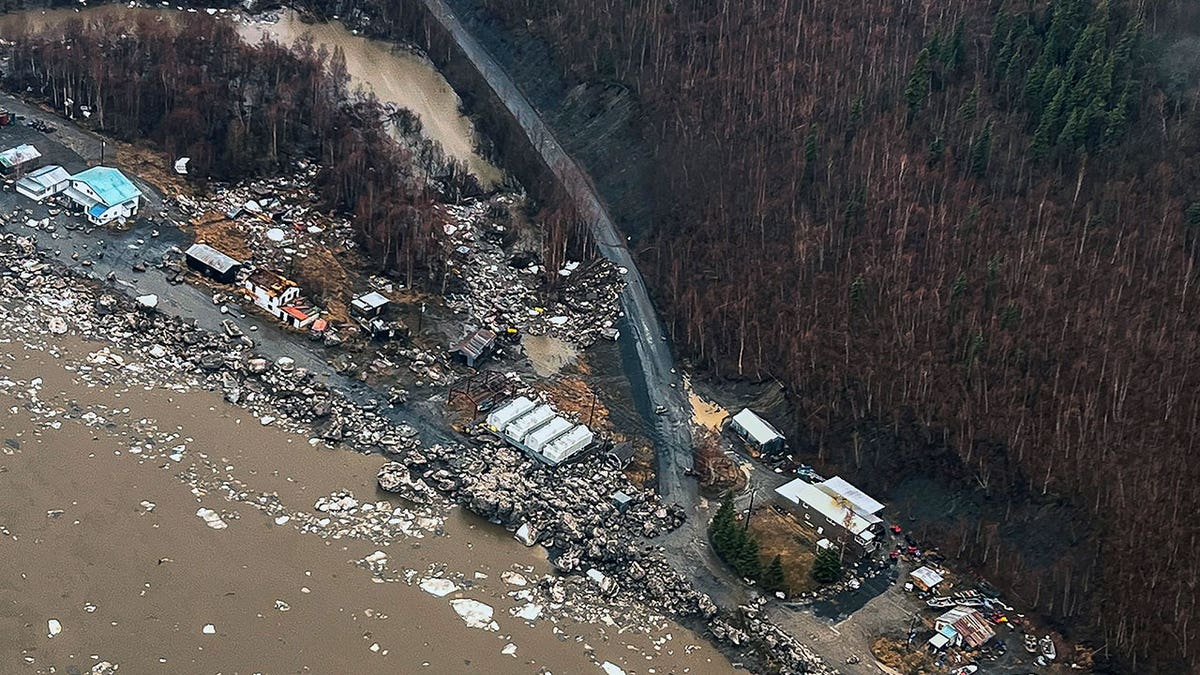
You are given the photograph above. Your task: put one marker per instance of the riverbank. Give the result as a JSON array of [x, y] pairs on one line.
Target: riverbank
[[118, 449]]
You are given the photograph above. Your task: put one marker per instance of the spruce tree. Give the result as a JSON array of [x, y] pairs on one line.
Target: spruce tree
[[827, 567], [772, 578]]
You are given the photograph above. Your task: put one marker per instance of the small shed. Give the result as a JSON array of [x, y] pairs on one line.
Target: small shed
[[756, 431], [926, 578], [476, 346], [212, 263], [943, 638], [370, 305], [621, 501], [18, 159]]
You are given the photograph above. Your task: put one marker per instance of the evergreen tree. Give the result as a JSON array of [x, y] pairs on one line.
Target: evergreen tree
[[749, 563], [723, 528], [773, 578], [827, 567], [981, 152], [917, 89]]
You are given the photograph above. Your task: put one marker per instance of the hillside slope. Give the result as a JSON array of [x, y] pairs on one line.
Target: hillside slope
[[965, 237]]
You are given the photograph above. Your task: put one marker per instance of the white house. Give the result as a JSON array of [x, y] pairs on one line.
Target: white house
[[278, 295], [837, 510], [44, 182], [105, 194]]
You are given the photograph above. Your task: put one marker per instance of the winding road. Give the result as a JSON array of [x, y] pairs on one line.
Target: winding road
[[661, 382]]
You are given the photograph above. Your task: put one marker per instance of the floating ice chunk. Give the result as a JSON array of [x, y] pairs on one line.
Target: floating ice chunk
[[53, 627], [211, 518], [529, 612], [437, 586], [146, 503], [509, 650], [611, 668], [377, 556], [280, 520], [475, 614], [282, 606], [209, 629], [513, 578]]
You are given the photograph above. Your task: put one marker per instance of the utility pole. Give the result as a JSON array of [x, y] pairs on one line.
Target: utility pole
[[749, 510], [102, 146], [592, 414]]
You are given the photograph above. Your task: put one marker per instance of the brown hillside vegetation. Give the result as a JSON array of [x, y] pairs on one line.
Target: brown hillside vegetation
[[961, 226]]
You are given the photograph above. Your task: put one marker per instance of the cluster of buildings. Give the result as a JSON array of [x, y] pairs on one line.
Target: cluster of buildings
[[539, 431], [103, 194]]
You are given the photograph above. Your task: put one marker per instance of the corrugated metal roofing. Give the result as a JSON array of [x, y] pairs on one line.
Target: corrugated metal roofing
[[109, 184], [475, 344], [47, 176], [858, 498], [756, 427], [968, 623], [520, 427], [801, 491], [546, 433], [212, 257]]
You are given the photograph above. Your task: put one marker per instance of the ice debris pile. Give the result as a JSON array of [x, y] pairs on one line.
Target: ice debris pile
[[497, 283]]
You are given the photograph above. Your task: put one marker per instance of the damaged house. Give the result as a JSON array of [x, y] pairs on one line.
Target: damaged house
[[476, 346], [279, 296], [19, 159]]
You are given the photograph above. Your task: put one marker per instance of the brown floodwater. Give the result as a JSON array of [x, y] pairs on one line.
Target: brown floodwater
[[396, 76], [99, 532]]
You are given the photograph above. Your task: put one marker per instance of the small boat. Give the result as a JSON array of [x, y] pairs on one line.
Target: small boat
[[940, 602], [967, 669], [1047, 647], [1031, 644]]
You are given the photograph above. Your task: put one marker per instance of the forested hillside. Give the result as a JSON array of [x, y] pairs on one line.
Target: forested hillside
[[971, 227], [193, 88]]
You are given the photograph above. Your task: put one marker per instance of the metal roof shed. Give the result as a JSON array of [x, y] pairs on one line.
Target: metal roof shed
[[505, 414], [757, 431], [44, 182], [538, 439], [369, 304], [211, 262], [520, 427]]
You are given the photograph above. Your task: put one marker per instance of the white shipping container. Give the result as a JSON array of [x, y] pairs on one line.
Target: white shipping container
[[520, 427], [547, 433], [505, 414]]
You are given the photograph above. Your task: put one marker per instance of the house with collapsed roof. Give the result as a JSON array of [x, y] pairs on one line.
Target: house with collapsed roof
[[279, 296], [476, 346], [539, 431], [961, 627], [838, 511], [105, 194]]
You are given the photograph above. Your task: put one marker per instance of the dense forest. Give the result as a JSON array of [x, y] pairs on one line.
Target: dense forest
[[192, 87], [973, 227]]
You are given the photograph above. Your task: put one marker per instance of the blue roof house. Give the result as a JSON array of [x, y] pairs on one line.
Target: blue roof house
[[105, 194]]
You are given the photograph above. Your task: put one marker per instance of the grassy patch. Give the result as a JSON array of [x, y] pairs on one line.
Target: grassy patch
[[780, 534]]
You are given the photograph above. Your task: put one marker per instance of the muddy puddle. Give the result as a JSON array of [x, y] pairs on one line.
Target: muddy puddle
[[164, 530], [548, 355], [395, 76]]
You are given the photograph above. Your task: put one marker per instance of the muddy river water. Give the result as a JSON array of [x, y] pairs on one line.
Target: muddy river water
[[101, 484]]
